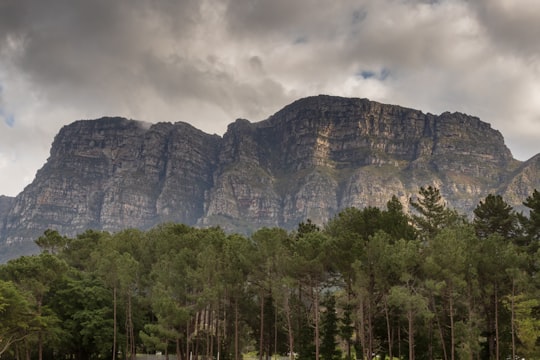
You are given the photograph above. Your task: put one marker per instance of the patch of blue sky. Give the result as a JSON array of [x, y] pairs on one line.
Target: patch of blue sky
[[8, 118], [370, 74]]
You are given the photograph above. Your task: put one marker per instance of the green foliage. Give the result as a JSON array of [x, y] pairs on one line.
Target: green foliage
[[16, 316], [527, 323], [495, 216], [330, 330], [442, 288], [531, 224], [82, 304], [51, 241], [34, 276], [396, 223], [432, 214]]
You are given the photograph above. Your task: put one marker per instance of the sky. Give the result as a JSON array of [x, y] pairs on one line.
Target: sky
[[209, 62]]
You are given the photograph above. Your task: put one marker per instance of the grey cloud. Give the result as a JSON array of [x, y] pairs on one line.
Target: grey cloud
[[79, 42], [210, 61], [291, 20], [511, 25]]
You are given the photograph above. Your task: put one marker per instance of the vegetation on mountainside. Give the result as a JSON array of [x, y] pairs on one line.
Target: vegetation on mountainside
[[430, 285]]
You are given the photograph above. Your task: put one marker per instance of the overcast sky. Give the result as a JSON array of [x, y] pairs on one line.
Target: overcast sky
[[208, 62]]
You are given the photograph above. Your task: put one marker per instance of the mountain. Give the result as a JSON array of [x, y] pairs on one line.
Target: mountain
[[5, 205], [311, 159]]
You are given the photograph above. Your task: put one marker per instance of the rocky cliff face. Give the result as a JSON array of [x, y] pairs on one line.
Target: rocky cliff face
[[5, 205], [309, 160]]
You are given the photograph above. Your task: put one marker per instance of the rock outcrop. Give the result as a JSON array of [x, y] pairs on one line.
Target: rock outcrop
[[5, 205], [311, 159]]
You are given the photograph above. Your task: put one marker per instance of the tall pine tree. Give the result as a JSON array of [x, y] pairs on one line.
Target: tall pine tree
[[432, 214], [495, 216], [329, 330]]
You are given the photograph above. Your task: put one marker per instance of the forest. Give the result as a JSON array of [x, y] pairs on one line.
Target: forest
[[428, 283]]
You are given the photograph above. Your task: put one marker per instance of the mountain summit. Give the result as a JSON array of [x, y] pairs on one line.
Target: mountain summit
[[311, 159]]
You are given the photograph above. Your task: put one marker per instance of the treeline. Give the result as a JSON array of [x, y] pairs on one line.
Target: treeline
[[371, 282]]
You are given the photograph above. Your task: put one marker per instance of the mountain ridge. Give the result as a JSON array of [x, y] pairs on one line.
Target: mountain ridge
[[310, 159]]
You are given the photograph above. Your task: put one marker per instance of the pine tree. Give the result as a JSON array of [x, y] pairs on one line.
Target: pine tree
[[495, 216], [329, 331], [531, 224], [395, 222], [432, 214]]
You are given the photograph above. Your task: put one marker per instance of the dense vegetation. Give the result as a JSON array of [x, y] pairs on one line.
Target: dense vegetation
[[432, 285]]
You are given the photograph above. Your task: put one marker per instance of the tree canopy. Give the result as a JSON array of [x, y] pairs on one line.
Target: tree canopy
[[418, 283]]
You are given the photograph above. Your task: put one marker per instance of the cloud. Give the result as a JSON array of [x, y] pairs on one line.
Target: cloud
[[208, 62], [512, 26]]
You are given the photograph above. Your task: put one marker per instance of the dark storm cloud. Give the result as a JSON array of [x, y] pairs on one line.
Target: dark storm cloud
[[88, 44]]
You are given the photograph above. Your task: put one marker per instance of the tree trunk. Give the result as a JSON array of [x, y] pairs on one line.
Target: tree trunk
[[316, 310], [370, 313], [399, 340], [369, 350], [236, 344], [275, 328], [114, 324], [349, 299], [132, 350], [188, 336], [410, 318], [196, 331], [512, 304], [362, 326], [27, 350], [208, 330], [261, 337], [439, 326], [178, 352], [452, 330], [217, 334], [388, 329], [126, 326], [289, 325], [497, 340], [40, 345], [470, 321]]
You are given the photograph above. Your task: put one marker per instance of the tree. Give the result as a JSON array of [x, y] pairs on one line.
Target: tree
[[432, 213], [368, 287], [329, 330], [531, 224], [51, 242], [406, 297], [269, 244], [83, 306], [175, 287], [347, 327], [310, 267], [119, 271], [298, 298], [237, 251], [77, 251], [527, 324], [16, 316], [495, 216], [446, 265], [358, 239], [395, 222], [34, 276], [496, 273]]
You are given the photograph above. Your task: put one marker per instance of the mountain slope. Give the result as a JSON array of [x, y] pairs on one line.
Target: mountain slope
[[311, 159]]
